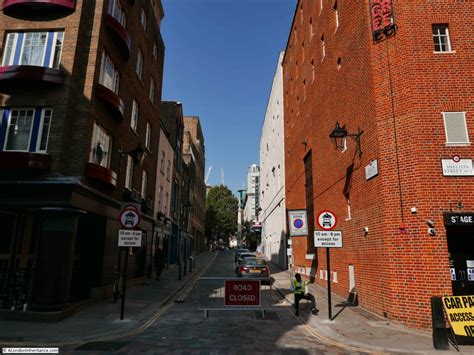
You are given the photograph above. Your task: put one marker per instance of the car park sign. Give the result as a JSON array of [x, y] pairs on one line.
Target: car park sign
[[242, 293]]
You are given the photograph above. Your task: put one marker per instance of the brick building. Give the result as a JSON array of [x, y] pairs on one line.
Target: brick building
[[80, 91], [400, 72]]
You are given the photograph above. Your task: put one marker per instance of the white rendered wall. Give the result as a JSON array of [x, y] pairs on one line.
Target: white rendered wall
[[272, 174]]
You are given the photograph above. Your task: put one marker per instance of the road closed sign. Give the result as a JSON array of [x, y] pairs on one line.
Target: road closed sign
[[242, 293], [460, 312]]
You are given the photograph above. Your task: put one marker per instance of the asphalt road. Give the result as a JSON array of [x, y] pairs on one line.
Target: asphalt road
[[183, 329]]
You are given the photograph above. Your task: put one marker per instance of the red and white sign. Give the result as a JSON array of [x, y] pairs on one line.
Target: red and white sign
[[327, 220], [129, 217], [242, 293]]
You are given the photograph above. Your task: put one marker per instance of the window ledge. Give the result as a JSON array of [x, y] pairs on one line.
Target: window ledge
[[444, 52], [465, 144]]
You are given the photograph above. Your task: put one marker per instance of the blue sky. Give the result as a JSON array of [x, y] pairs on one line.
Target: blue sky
[[220, 59]]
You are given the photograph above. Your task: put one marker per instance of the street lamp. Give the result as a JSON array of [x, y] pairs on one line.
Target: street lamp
[[339, 135]]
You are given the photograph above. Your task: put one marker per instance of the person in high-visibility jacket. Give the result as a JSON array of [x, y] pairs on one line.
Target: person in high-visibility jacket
[[300, 288]]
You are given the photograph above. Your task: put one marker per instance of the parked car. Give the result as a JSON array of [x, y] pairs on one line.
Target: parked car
[[242, 257], [253, 268], [240, 251]]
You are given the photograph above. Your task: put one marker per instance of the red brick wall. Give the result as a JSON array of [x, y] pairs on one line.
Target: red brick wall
[[395, 273]]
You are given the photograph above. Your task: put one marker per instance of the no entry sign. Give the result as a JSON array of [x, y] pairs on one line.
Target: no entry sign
[[242, 293]]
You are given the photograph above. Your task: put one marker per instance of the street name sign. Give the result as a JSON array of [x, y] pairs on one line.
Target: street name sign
[[242, 292], [328, 239], [129, 238]]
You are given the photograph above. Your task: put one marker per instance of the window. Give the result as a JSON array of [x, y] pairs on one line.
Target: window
[[165, 211], [27, 129], [313, 71], [134, 117], [143, 19], [144, 183], [160, 198], [323, 48], [441, 38], [139, 65], [129, 172], [155, 51], [109, 76], [148, 135], [311, 28], [41, 49], [162, 163], [100, 147], [168, 171], [152, 90], [456, 128], [116, 11], [320, 6], [336, 14]]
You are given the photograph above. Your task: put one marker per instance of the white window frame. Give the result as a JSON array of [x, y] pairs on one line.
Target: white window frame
[[129, 173], [148, 135], [41, 130], [139, 64], [336, 14], [100, 135], [152, 91], [115, 80], [323, 47], [9, 127], [438, 35], [144, 183], [468, 142], [10, 60], [113, 6], [143, 19], [134, 115]]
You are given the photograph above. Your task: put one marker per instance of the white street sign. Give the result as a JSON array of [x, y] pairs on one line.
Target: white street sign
[[298, 223], [371, 170], [129, 238], [328, 239], [457, 167]]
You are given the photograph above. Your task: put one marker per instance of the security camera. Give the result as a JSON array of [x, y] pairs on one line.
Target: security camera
[[430, 223], [366, 230], [432, 231]]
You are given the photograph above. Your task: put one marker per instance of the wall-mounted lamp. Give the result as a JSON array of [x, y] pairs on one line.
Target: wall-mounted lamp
[[339, 135]]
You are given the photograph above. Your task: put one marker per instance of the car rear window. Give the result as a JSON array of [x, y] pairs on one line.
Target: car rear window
[[243, 256], [259, 262]]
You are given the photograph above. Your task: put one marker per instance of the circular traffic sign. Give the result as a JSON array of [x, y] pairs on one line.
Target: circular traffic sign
[[129, 217], [327, 220], [298, 223]]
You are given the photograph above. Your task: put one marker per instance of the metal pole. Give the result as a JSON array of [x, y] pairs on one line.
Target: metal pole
[[124, 284], [329, 283]]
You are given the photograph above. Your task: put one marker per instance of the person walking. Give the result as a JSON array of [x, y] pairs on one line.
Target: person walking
[[159, 262], [300, 288]]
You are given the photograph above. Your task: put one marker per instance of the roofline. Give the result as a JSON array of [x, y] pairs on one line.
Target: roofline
[[291, 30]]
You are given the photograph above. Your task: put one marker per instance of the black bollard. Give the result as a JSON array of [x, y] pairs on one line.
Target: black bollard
[[190, 264], [185, 267], [179, 271]]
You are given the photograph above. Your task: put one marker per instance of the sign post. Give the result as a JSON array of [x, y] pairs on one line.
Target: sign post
[[328, 238], [128, 237]]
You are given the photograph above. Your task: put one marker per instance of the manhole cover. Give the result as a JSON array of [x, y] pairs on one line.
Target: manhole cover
[[102, 346], [269, 315]]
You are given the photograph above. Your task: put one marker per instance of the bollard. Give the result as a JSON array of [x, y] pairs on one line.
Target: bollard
[[179, 271], [185, 267], [190, 264], [440, 333], [194, 263]]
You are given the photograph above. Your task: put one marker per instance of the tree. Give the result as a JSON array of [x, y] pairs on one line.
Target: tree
[[221, 213]]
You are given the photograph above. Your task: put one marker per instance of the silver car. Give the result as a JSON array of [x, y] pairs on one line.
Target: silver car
[[253, 268]]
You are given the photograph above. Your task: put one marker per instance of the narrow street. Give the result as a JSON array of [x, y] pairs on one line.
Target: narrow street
[[183, 329]]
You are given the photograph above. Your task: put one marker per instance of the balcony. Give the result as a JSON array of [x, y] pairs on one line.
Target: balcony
[[119, 35], [33, 8], [25, 76], [15, 162], [102, 175], [112, 100]]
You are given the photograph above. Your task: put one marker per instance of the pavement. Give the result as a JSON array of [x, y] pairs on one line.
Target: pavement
[[352, 327]]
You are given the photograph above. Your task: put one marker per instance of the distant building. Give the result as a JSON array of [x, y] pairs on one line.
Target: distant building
[[272, 174], [194, 155], [251, 206], [80, 94]]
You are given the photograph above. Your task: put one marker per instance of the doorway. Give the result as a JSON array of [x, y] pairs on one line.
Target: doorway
[[461, 258]]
